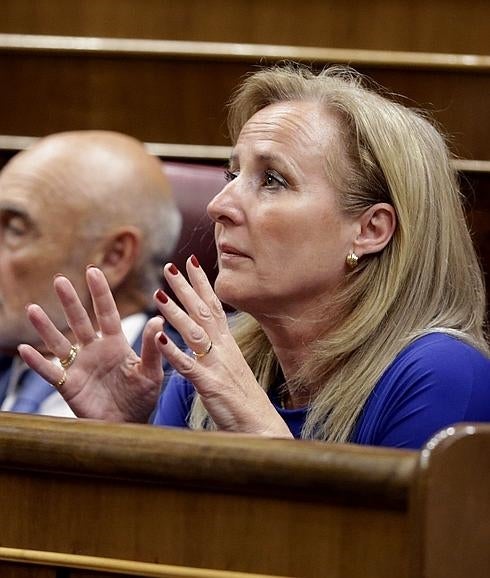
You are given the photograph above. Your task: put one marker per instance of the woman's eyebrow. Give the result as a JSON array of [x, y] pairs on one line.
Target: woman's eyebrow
[[262, 157]]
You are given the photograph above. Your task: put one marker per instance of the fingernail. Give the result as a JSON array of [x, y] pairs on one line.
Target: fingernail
[[194, 261], [27, 305], [162, 339], [161, 296], [90, 266], [58, 275], [173, 269]]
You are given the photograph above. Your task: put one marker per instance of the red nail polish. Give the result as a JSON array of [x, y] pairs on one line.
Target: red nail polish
[[194, 261], [162, 339], [161, 296], [173, 269]]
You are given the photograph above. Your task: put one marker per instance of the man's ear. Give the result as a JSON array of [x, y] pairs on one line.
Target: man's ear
[[377, 225], [119, 253]]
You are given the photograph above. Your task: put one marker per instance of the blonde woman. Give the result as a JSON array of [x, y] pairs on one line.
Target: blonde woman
[[342, 243]]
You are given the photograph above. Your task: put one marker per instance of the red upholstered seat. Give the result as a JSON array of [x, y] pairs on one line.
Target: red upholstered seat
[[194, 186]]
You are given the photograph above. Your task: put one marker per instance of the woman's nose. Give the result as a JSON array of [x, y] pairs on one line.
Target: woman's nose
[[224, 207]]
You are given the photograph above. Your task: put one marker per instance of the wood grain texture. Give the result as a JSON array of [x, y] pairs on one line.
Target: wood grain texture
[[78, 565], [215, 501], [210, 461], [418, 25], [452, 484], [207, 501], [180, 97]]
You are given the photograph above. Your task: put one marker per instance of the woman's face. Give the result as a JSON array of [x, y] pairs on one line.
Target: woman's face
[[282, 239]]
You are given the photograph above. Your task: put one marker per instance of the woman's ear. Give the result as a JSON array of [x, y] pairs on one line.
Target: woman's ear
[[119, 253], [377, 225]]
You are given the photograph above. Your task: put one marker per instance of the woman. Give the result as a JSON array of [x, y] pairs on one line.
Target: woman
[[342, 241]]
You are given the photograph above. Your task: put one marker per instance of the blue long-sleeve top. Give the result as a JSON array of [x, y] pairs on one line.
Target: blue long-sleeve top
[[433, 383]]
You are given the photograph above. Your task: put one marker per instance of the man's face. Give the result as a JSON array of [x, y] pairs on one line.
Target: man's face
[[39, 228]]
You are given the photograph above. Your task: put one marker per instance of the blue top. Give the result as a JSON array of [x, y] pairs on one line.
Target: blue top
[[435, 382]]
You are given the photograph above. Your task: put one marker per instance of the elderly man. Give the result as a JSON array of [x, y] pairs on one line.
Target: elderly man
[[74, 199]]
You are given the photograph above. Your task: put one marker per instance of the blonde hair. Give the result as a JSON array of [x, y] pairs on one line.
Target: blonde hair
[[427, 279]]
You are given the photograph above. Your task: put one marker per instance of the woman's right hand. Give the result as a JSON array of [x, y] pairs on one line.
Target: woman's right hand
[[106, 380]]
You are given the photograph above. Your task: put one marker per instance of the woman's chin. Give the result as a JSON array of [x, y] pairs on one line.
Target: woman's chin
[[230, 292]]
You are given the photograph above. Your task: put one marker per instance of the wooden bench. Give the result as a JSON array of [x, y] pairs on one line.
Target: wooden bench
[[196, 501]]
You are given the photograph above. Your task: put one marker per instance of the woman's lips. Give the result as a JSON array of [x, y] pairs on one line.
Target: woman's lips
[[229, 252]]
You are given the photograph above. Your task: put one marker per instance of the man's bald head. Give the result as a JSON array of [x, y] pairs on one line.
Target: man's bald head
[[95, 165], [108, 171], [84, 197]]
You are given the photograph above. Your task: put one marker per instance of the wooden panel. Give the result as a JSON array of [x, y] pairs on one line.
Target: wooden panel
[[199, 528], [242, 504], [152, 99], [216, 501], [207, 461], [41, 563], [164, 97], [438, 25], [453, 484], [476, 187], [12, 570]]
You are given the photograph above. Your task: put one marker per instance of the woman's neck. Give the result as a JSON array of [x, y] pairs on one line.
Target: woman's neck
[[292, 339]]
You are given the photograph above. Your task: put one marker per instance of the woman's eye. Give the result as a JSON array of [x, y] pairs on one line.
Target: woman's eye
[[230, 175], [273, 180]]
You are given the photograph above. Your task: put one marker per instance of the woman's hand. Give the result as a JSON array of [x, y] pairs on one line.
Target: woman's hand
[[218, 370], [106, 380]]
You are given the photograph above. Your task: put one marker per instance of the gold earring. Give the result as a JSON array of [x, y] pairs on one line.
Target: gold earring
[[352, 260]]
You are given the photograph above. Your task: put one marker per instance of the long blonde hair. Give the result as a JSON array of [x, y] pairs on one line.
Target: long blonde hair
[[427, 278]]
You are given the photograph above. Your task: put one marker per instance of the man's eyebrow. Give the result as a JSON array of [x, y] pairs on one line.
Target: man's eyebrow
[[14, 208]]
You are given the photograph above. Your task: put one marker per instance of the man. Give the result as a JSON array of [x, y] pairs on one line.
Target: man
[[74, 199]]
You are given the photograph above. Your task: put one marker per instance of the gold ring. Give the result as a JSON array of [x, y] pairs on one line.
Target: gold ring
[[198, 355], [70, 358], [61, 382]]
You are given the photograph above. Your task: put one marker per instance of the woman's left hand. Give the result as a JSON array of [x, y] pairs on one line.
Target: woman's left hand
[[102, 377], [217, 368]]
